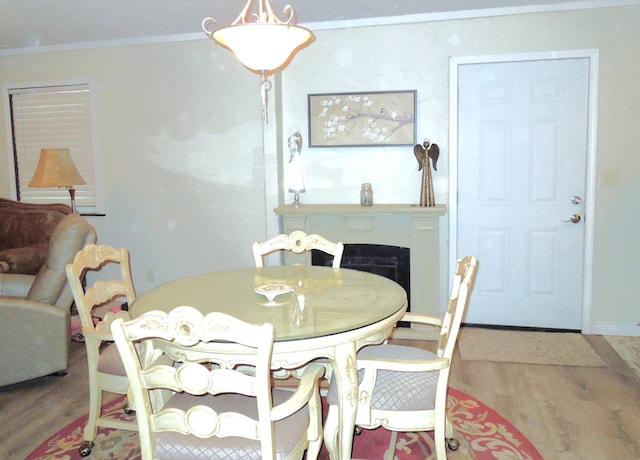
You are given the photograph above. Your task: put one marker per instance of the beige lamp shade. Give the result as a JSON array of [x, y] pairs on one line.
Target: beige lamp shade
[[56, 169]]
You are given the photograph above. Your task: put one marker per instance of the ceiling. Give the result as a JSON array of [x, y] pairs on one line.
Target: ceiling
[[34, 25]]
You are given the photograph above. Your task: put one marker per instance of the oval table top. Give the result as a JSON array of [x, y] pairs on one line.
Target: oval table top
[[322, 300]]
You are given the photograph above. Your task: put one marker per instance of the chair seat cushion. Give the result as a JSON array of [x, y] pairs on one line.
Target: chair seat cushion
[[288, 432], [395, 390], [110, 361]]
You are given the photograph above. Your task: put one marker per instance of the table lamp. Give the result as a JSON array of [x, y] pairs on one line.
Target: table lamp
[[56, 169]]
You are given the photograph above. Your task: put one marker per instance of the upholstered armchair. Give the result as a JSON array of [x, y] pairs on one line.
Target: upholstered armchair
[[34, 309], [25, 231]]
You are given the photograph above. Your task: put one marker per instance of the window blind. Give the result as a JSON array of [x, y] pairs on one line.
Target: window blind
[[53, 117]]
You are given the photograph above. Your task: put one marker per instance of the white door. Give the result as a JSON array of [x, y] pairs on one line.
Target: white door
[[522, 161]]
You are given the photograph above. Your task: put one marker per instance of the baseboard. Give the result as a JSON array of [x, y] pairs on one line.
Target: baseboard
[[518, 328], [603, 328]]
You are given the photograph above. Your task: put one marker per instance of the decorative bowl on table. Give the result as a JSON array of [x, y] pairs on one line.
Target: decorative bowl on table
[[271, 291]]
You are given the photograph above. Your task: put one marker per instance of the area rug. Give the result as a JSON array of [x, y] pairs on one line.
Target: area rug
[[628, 348], [552, 348], [483, 434]]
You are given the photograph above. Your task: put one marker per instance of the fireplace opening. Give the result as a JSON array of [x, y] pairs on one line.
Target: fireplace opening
[[392, 262]]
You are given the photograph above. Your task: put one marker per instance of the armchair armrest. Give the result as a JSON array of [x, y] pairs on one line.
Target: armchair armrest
[[25, 260], [404, 365], [34, 339], [304, 392], [28, 307], [13, 285], [422, 319]]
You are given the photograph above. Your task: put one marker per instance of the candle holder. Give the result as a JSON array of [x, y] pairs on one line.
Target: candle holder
[[296, 198]]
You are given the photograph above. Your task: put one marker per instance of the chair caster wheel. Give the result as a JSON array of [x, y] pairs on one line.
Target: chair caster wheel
[[129, 411], [85, 448], [453, 444]]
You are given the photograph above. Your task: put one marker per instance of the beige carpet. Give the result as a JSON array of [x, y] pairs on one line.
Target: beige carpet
[[628, 348], [553, 348]]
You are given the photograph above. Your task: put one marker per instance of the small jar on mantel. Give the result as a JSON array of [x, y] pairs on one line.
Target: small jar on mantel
[[366, 194]]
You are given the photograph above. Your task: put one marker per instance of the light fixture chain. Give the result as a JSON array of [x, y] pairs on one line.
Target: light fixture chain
[[265, 15], [271, 15]]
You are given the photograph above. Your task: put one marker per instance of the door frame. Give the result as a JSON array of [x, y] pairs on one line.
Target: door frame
[[592, 55]]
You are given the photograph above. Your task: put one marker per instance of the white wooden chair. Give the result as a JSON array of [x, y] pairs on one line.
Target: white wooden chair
[[106, 371], [298, 242], [214, 410], [405, 388]]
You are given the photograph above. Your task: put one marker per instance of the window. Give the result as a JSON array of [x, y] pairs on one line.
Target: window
[[53, 116]]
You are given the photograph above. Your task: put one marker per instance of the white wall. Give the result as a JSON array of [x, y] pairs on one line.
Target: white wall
[[180, 144], [417, 57], [189, 183]]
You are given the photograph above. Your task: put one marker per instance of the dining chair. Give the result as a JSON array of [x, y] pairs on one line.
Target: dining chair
[[106, 371], [404, 388], [298, 242], [211, 409]]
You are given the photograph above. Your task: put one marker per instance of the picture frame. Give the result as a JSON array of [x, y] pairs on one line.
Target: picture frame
[[371, 119]]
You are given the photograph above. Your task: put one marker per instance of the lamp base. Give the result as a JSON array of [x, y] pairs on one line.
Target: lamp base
[[72, 194]]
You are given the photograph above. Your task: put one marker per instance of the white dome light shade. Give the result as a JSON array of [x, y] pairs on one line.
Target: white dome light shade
[[262, 47], [261, 41]]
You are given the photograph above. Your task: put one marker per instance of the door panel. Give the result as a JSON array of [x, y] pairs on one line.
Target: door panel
[[522, 152]]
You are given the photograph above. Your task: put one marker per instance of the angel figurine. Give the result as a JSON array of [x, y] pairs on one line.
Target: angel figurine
[[296, 177], [425, 152]]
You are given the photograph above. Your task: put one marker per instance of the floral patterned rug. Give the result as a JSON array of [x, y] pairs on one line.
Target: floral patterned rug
[[483, 434]]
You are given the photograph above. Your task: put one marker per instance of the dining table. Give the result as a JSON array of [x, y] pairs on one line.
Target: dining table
[[316, 311]]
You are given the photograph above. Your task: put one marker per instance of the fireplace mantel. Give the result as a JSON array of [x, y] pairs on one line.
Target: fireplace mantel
[[410, 226], [357, 210]]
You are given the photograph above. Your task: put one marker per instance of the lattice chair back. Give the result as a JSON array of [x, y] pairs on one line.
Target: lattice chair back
[[298, 242], [214, 410]]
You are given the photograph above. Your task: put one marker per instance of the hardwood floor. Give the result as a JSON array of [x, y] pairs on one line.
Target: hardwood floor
[[31, 412], [567, 412]]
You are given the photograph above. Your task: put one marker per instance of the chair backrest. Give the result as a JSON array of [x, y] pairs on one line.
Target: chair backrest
[[50, 284], [298, 242], [93, 258], [463, 283], [157, 333]]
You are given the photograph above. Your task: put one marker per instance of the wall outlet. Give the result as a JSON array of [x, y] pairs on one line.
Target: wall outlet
[[150, 276]]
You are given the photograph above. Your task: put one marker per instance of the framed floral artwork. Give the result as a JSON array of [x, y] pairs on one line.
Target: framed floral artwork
[[383, 118]]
